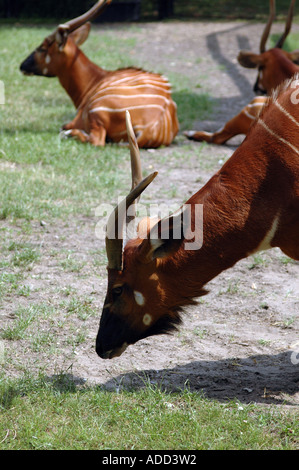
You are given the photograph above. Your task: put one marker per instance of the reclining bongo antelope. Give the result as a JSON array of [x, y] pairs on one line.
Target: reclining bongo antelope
[[274, 66], [101, 97], [250, 204]]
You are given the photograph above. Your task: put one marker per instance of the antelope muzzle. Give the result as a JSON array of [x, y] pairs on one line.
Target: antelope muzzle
[[258, 90], [29, 66], [114, 335]]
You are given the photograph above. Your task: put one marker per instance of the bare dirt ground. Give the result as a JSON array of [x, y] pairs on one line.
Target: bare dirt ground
[[240, 341]]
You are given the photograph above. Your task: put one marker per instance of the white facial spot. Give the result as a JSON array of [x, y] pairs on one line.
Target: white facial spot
[[147, 319], [140, 300], [45, 71], [47, 59]]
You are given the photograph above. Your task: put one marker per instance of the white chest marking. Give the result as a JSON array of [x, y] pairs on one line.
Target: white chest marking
[[265, 244]]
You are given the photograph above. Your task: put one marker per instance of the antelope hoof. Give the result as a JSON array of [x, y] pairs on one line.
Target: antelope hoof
[[189, 134], [199, 136], [64, 134]]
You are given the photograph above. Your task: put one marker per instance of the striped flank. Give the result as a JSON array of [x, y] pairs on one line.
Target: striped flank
[[148, 98]]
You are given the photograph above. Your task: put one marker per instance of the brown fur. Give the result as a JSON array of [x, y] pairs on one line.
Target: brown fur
[[254, 195]]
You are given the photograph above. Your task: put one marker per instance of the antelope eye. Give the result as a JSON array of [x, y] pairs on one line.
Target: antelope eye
[[117, 291]]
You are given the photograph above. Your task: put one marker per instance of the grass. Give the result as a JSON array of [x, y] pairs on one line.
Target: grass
[[290, 44], [57, 414], [47, 182]]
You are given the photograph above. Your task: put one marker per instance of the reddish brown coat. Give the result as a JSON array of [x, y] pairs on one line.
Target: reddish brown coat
[[250, 204]]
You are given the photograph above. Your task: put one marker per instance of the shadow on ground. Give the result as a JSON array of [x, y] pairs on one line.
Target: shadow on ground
[[261, 379]]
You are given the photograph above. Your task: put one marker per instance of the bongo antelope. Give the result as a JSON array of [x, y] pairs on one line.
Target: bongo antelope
[[101, 97], [250, 204], [274, 66]]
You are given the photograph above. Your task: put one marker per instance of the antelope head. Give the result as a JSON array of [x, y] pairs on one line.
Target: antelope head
[[60, 48], [274, 64], [137, 304]]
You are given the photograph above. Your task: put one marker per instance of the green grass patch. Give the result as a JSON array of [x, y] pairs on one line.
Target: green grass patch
[[9, 282], [290, 44], [43, 413], [24, 317]]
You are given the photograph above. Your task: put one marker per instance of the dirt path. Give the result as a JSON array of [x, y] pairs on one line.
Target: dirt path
[[240, 340]]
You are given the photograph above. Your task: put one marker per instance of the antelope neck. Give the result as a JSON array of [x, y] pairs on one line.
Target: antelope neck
[[79, 77], [235, 225]]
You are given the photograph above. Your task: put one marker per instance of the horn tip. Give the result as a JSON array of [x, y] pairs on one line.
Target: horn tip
[[128, 119], [130, 130], [128, 116], [152, 176]]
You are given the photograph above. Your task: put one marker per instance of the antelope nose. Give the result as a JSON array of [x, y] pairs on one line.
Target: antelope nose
[[28, 65], [100, 350]]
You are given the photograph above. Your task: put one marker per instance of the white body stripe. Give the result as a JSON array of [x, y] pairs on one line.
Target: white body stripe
[[126, 97], [286, 113], [281, 139], [126, 87], [250, 116], [122, 110], [253, 105], [148, 98]]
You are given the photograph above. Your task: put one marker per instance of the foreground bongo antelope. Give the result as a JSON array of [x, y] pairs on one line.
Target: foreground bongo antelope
[[100, 96], [274, 67], [250, 204]]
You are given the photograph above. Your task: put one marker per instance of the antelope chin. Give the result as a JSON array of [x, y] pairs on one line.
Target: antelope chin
[[28, 74], [115, 352]]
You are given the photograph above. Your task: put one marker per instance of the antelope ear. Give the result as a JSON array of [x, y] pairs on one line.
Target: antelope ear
[[294, 56], [250, 60], [163, 239], [80, 35]]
